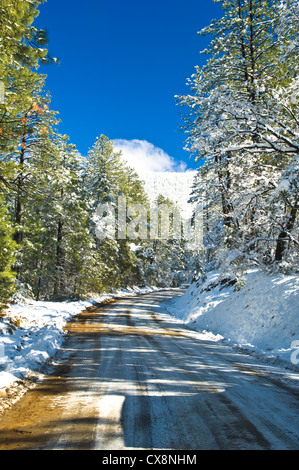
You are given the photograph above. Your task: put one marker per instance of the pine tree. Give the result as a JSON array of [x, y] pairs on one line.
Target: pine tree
[[57, 245], [7, 250], [164, 257], [22, 49], [25, 120], [107, 178], [241, 129]]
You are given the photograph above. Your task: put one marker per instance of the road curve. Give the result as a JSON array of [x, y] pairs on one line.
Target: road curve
[[129, 376]]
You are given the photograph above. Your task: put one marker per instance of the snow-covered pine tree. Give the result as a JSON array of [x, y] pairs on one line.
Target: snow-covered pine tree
[[57, 259], [22, 48], [165, 258], [7, 250], [240, 130], [106, 178]]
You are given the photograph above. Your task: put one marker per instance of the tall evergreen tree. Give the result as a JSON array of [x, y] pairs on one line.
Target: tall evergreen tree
[[7, 250], [106, 179], [240, 128], [22, 48]]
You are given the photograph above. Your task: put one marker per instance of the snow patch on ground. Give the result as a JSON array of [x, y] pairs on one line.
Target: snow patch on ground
[[31, 332], [260, 315]]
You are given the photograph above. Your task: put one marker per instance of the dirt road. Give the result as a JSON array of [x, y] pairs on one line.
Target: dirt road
[[130, 377]]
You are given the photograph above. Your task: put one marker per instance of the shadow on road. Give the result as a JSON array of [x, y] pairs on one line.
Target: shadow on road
[[128, 376]]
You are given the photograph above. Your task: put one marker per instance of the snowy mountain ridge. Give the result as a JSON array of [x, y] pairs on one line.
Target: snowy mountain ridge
[[173, 185]]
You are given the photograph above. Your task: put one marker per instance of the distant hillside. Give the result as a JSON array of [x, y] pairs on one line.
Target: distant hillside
[[174, 185]]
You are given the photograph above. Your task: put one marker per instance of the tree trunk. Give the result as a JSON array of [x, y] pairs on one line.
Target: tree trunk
[[224, 186], [38, 288], [283, 237], [18, 236], [58, 286]]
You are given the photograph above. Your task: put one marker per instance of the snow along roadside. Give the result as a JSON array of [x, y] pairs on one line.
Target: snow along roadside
[[260, 316], [31, 332]]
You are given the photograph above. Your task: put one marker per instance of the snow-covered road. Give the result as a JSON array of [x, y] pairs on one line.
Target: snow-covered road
[[129, 376]]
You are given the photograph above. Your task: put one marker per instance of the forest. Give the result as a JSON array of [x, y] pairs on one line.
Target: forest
[[241, 122], [50, 193]]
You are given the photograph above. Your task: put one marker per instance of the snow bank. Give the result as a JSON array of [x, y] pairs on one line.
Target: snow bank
[[262, 316], [31, 332]]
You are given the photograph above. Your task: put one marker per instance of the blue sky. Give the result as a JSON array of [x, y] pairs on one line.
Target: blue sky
[[121, 63]]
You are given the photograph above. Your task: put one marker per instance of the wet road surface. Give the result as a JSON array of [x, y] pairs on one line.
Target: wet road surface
[[129, 376]]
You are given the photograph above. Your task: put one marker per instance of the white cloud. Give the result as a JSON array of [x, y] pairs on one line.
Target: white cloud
[[144, 156]]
